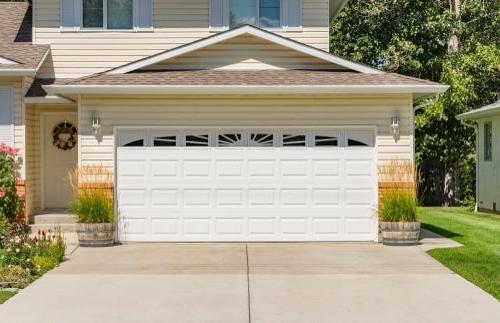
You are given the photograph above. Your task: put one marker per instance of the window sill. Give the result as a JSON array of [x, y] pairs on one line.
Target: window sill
[[273, 30], [86, 30]]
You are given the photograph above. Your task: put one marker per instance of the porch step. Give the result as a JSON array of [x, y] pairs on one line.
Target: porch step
[[65, 227], [53, 219]]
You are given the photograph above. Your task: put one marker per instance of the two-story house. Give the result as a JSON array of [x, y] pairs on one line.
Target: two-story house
[[222, 120]]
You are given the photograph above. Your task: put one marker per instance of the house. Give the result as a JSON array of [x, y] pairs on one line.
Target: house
[[222, 120], [488, 156]]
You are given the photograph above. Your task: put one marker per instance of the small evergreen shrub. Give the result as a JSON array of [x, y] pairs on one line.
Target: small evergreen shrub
[[398, 205], [93, 206]]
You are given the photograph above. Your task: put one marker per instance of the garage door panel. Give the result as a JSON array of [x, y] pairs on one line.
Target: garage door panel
[[245, 193]]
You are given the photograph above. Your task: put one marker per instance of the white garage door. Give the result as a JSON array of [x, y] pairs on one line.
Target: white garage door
[[246, 185]]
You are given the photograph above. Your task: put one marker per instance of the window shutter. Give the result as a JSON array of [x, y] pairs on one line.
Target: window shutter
[[6, 117], [143, 14], [219, 15], [293, 14], [71, 14]]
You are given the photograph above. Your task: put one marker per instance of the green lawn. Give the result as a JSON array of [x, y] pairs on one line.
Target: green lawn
[[479, 259], [5, 295]]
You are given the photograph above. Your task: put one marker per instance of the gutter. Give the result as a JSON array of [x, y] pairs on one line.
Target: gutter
[[242, 89], [49, 99]]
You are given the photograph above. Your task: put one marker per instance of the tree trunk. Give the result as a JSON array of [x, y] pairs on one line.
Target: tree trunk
[[451, 190], [453, 42]]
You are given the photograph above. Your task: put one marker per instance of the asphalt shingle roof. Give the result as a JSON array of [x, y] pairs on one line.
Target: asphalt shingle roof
[[247, 77], [15, 37]]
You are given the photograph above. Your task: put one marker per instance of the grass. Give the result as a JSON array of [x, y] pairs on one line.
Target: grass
[[478, 260], [5, 295]]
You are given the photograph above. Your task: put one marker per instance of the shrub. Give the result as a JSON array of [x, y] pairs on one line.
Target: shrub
[[20, 250], [9, 202], [42, 264], [14, 276], [93, 206], [398, 205]]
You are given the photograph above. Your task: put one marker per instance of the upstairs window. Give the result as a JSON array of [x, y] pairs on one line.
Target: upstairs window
[[488, 141], [262, 13], [107, 14]]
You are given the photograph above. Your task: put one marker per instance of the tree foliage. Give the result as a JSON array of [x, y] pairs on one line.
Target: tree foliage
[[411, 37]]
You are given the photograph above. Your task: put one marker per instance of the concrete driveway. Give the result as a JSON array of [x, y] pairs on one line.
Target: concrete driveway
[[260, 283]]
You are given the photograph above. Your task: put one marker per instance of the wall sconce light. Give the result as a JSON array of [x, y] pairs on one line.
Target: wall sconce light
[[96, 123], [395, 125]]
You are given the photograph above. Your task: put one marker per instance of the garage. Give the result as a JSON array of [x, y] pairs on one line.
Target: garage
[[251, 184]]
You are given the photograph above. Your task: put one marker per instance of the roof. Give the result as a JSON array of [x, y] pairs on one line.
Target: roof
[[239, 31], [16, 42], [486, 111], [244, 81]]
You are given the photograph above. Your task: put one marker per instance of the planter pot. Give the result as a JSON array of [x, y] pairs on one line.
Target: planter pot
[[96, 234], [400, 233]]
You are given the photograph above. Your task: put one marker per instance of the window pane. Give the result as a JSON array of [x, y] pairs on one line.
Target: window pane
[[294, 140], [135, 143], [325, 141], [269, 13], [230, 140], [120, 14], [353, 142], [92, 13], [197, 140], [165, 141], [241, 12], [261, 140], [488, 142]]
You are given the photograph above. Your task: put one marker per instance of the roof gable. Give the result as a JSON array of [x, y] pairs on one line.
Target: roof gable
[[251, 31], [244, 52]]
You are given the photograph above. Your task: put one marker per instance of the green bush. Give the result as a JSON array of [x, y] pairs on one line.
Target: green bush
[[14, 276], [398, 205], [93, 206], [9, 201], [42, 264]]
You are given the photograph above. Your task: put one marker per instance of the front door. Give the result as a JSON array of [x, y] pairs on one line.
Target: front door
[[60, 155]]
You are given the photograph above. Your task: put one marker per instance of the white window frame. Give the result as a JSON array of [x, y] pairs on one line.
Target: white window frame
[[105, 20], [257, 16]]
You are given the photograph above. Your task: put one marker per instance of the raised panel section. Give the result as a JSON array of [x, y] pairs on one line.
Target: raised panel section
[[132, 197], [294, 168], [229, 168], [294, 226], [259, 168], [197, 226], [261, 197], [322, 168], [294, 197], [196, 197], [229, 197], [262, 226], [164, 226], [165, 168], [357, 197], [326, 197], [228, 226], [132, 168], [164, 197], [197, 168], [327, 226]]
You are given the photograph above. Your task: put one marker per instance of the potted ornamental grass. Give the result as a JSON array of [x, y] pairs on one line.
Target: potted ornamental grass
[[93, 207], [398, 209]]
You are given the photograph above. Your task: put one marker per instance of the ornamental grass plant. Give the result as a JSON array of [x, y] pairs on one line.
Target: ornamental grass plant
[[93, 201], [399, 184]]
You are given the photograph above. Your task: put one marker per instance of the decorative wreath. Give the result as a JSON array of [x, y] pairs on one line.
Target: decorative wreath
[[64, 135]]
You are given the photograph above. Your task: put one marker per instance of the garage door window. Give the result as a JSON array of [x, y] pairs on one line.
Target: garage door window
[[165, 141], [135, 143], [197, 140], [261, 140], [360, 139], [293, 140], [230, 140], [322, 140]]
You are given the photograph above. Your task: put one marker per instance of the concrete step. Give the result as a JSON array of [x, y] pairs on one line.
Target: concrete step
[[53, 218], [65, 227]]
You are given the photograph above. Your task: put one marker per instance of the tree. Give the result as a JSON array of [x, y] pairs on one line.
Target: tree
[[452, 42]]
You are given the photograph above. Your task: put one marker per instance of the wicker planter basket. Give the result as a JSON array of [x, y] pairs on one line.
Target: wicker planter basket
[[96, 234], [400, 233]]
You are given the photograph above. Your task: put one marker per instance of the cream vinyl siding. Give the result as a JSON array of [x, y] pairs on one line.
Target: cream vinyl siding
[[17, 91], [489, 171], [176, 22], [244, 52], [212, 111], [33, 156]]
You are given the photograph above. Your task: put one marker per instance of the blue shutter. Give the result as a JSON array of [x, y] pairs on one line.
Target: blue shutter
[[293, 14], [68, 11], [219, 16], [6, 117], [143, 14]]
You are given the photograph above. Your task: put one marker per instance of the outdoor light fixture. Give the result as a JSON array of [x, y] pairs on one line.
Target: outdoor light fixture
[[96, 123], [395, 127]]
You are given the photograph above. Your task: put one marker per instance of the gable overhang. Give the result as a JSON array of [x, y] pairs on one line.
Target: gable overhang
[[30, 72], [417, 90], [232, 33], [484, 112]]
